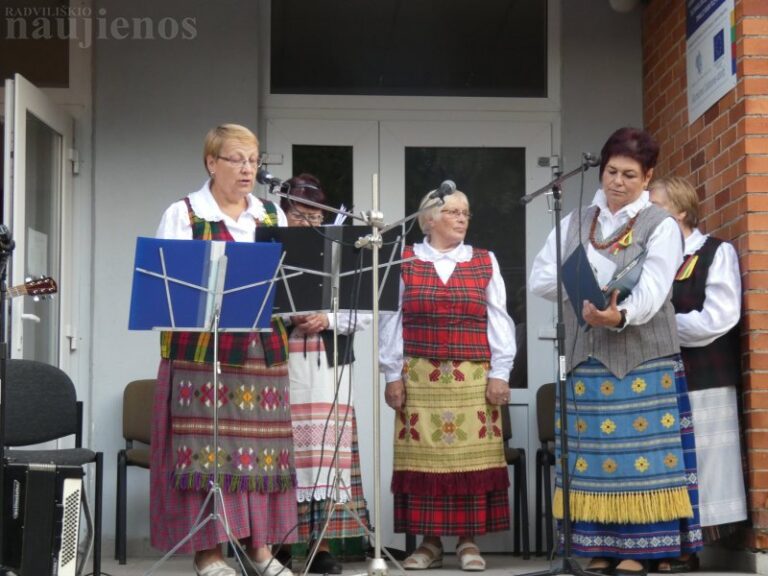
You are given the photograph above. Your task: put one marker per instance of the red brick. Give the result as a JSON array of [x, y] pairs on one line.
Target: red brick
[[756, 145], [753, 27], [755, 86], [756, 439], [751, 8], [755, 46], [755, 321], [757, 184], [757, 164], [757, 400], [755, 125], [753, 67]]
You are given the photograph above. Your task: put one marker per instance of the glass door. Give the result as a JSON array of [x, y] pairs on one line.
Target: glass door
[[37, 185]]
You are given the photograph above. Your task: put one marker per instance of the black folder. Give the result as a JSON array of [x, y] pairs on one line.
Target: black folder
[[580, 283]]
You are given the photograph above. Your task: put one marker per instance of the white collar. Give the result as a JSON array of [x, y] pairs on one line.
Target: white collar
[[204, 205], [695, 241], [425, 251], [630, 209]]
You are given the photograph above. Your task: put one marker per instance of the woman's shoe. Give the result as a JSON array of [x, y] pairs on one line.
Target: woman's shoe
[[677, 565], [426, 556], [642, 571], [606, 570], [216, 568], [325, 563], [269, 567], [470, 561]]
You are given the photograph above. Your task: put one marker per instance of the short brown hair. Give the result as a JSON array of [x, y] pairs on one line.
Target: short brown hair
[[217, 137], [682, 196]]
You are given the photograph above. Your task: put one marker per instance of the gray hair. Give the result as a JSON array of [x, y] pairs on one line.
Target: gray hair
[[426, 217]]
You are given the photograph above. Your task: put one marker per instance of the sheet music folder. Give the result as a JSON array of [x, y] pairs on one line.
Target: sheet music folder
[[580, 283], [175, 285], [314, 255]]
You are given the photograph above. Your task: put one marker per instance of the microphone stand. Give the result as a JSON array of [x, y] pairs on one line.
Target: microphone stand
[[6, 249], [375, 219], [567, 564]]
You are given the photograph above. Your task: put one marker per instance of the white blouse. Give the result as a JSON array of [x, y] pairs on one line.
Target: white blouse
[[175, 225], [722, 296], [501, 329], [664, 256]]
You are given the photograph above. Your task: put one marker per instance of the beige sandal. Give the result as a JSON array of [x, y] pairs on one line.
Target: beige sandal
[[470, 561], [424, 557]]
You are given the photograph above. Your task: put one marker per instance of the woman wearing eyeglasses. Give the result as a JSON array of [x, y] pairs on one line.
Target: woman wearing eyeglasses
[[255, 452], [313, 390], [446, 357]]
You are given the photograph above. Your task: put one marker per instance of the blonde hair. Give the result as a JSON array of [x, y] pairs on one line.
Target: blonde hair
[[431, 214], [682, 196], [217, 137]]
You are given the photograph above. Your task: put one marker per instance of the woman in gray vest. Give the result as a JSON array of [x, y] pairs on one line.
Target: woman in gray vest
[[707, 301], [629, 427]]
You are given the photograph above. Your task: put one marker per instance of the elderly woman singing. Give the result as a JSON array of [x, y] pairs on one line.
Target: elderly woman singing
[[446, 356]]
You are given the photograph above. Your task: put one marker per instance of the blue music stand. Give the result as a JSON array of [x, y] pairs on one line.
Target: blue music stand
[[206, 286]]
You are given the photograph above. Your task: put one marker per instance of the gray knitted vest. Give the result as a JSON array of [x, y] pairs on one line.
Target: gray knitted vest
[[622, 351]]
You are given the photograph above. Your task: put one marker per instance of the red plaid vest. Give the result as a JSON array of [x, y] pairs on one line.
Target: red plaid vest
[[233, 346], [446, 321], [719, 363]]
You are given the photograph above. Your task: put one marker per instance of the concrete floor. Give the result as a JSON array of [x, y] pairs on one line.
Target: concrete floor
[[497, 565]]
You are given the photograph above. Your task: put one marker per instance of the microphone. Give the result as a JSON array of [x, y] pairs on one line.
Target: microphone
[[263, 176], [591, 160], [6, 239], [446, 188]]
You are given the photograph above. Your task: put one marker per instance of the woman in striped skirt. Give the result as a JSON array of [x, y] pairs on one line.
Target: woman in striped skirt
[[446, 357], [707, 301], [320, 490], [632, 493]]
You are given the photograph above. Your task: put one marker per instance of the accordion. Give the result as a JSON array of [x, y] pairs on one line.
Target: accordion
[[41, 518]]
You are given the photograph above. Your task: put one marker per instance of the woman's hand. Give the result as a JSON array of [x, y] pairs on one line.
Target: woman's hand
[[608, 318], [394, 394], [497, 391], [311, 323]]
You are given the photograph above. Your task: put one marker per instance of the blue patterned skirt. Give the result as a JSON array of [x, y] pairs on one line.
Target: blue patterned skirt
[[632, 462]]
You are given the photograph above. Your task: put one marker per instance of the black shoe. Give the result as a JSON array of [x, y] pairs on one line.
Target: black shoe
[[642, 571], [283, 555], [325, 563], [606, 570]]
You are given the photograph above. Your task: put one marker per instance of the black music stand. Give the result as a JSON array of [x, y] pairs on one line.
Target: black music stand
[[317, 260], [196, 285]]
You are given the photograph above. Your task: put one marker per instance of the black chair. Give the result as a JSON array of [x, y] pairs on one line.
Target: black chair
[[515, 457], [43, 406], [545, 460], [137, 426]]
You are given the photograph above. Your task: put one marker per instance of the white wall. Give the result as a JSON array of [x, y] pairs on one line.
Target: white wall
[[602, 83], [155, 99]]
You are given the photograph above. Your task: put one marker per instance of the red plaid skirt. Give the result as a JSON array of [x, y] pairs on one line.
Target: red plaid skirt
[[468, 515], [264, 518]]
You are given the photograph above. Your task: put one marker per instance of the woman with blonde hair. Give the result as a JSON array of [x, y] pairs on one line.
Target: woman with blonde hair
[[707, 300], [255, 451]]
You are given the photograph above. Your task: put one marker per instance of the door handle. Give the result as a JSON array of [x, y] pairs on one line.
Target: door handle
[[31, 317]]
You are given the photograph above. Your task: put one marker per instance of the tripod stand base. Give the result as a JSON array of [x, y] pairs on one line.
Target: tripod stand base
[[377, 567], [563, 566]]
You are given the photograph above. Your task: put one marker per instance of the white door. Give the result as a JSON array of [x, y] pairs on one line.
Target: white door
[[36, 207], [411, 157]]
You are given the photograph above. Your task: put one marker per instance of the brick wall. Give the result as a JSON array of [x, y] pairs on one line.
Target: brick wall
[[725, 154]]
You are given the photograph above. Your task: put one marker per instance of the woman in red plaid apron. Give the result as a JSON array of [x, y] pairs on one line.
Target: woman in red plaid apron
[[255, 449], [446, 356]]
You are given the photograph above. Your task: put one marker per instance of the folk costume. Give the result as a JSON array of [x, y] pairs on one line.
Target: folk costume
[[313, 389], [633, 479], [255, 452], [451, 334], [707, 301]]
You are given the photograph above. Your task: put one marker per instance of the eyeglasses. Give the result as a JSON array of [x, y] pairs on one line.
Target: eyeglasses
[[313, 218], [454, 213], [240, 163]]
